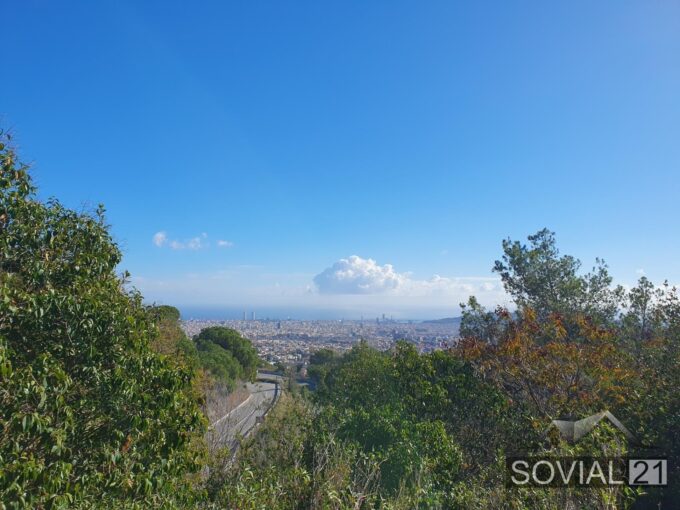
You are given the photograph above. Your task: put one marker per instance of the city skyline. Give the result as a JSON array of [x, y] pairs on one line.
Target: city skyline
[[353, 159]]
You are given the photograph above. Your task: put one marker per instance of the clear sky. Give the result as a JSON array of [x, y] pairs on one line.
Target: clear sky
[[323, 141]]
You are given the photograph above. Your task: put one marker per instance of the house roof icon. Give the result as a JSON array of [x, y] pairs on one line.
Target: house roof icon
[[573, 431]]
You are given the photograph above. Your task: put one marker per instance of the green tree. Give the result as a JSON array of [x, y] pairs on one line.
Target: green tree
[[89, 414], [650, 329], [320, 364], [220, 363], [477, 322], [537, 277], [171, 339], [323, 356], [551, 285], [239, 347], [166, 312], [576, 345]]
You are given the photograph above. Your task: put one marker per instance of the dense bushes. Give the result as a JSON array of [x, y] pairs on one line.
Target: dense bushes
[[89, 414], [424, 418], [296, 462], [577, 345], [391, 430]]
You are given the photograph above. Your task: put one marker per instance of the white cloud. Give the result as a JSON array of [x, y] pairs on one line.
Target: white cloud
[[355, 275], [358, 276], [195, 243], [224, 244], [160, 238], [640, 271]]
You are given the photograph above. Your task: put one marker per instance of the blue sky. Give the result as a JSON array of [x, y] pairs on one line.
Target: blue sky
[[414, 134]]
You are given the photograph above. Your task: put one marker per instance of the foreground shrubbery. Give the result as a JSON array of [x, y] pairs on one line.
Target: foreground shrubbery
[[90, 415]]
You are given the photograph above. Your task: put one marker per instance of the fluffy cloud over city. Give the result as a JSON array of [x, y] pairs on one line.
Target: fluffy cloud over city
[[355, 275]]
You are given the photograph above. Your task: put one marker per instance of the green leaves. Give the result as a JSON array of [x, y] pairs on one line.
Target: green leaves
[[77, 373], [536, 276], [219, 346], [422, 416]]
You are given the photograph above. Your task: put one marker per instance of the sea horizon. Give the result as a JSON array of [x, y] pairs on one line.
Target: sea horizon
[[218, 313]]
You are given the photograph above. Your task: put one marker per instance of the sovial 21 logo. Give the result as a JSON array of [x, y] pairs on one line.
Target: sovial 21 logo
[[591, 452]]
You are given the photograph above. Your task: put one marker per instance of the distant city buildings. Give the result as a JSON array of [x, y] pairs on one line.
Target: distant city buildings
[[292, 341]]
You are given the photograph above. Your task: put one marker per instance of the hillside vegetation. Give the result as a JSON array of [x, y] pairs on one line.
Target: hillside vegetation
[[219, 356], [102, 398], [90, 415], [399, 429]]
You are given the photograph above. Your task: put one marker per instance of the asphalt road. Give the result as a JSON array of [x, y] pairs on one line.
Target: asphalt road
[[240, 421]]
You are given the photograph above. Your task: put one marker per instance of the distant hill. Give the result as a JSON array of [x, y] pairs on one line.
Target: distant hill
[[446, 320]]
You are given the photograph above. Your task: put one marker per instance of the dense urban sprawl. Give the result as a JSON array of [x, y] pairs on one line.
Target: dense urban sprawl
[[290, 341]]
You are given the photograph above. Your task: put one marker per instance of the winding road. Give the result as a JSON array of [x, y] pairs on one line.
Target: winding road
[[240, 421]]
